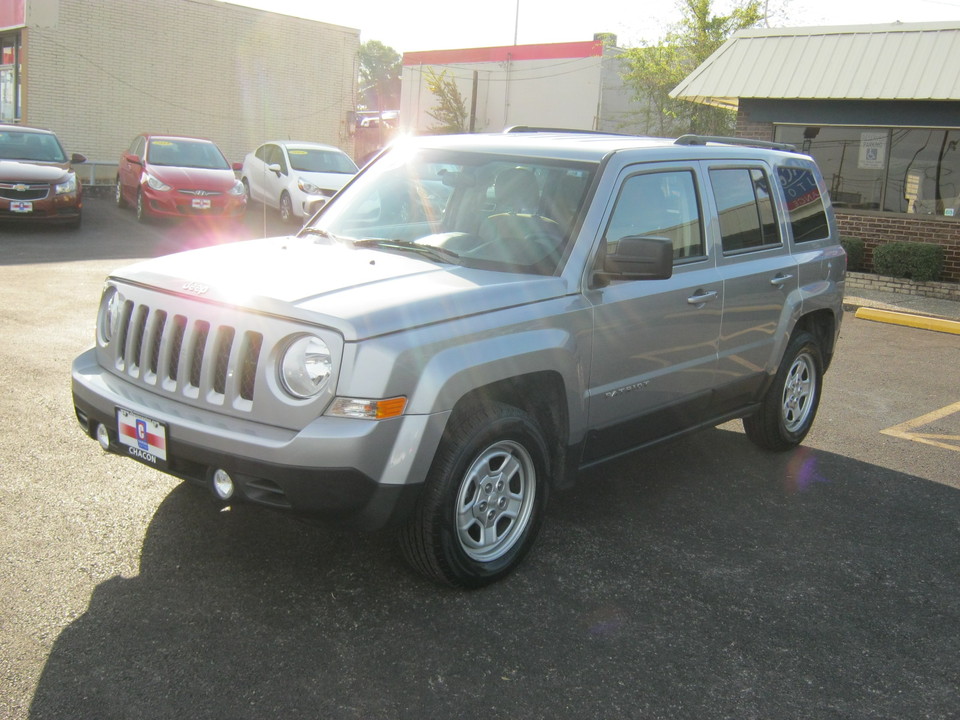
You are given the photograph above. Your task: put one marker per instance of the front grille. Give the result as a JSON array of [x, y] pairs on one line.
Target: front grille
[[24, 191], [201, 193], [189, 356]]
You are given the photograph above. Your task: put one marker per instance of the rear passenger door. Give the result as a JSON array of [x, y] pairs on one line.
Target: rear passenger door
[[655, 341], [758, 273]]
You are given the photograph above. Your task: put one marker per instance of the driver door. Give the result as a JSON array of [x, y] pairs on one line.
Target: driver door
[[655, 341]]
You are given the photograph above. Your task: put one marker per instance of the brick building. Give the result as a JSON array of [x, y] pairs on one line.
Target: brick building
[[878, 106], [98, 72]]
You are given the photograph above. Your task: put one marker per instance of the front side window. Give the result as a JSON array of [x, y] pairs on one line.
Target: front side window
[[495, 212], [745, 209], [659, 204]]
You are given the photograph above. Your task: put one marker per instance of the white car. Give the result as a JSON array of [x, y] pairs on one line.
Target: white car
[[293, 176]]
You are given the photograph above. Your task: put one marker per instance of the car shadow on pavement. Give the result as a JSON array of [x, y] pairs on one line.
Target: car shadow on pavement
[[699, 579], [109, 232]]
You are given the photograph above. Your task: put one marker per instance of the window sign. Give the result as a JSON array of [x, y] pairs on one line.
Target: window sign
[[873, 150]]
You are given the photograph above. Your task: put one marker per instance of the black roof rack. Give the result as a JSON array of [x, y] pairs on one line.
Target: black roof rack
[[534, 128], [746, 142]]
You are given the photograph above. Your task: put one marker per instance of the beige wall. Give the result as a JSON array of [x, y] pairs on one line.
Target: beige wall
[[98, 72]]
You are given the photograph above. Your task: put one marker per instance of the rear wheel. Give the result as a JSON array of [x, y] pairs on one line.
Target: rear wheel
[[484, 499], [790, 404]]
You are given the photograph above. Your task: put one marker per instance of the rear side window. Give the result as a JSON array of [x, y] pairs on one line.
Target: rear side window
[[747, 218], [660, 204], [808, 218]]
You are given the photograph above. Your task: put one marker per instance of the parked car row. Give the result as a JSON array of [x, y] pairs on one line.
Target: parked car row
[[169, 176]]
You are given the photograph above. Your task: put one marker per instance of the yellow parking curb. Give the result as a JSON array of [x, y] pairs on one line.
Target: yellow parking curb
[[917, 321]]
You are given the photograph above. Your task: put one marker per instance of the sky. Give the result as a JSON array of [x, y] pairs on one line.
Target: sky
[[441, 25]]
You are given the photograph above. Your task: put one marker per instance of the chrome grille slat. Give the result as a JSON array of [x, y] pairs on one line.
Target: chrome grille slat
[[188, 357]]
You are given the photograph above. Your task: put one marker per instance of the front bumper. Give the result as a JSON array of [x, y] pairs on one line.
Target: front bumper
[[64, 208], [360, 473], [175, 204]]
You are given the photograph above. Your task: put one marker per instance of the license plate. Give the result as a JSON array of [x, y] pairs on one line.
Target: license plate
[[21, 206], [201, 203], [144, 438]]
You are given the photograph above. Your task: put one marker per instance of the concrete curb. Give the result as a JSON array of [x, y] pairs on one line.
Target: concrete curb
[[909, 320]]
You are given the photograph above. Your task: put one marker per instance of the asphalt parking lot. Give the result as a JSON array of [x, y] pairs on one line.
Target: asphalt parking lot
[[701, 579]]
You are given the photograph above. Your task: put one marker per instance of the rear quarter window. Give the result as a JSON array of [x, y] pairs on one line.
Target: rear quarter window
[[808, 217]]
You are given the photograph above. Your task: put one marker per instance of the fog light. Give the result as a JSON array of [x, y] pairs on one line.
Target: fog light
[[222, 484], [103, 436]]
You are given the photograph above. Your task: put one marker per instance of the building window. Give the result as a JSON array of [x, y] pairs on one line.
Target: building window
[[10, 77], [901, 170]]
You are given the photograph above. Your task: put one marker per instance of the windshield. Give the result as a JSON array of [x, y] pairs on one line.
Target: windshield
[[512, 214], [23, 145], [316, 160], [186, 153]]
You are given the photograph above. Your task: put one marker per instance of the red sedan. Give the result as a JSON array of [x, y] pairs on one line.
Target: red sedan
[[178, 177]]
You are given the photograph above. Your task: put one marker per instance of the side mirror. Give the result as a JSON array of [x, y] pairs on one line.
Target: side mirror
[[275, 168], [638, 257], [131, 158], [77, 158], [237, 167]]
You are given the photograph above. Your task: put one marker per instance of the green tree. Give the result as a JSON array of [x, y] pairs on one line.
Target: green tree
[[652, 71], [450, 112], [380, 68]]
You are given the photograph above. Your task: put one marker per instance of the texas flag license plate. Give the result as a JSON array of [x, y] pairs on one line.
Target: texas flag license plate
[[145, 439]]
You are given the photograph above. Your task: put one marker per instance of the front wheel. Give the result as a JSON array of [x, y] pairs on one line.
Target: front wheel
[[484, 499], [787, 410], [286, 208], [141, 208], [120, 199]]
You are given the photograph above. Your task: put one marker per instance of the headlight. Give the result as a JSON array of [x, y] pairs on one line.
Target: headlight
[[155, 183], [108, 319], [67, 186], [308, 187], [305, 366], [237, 189]]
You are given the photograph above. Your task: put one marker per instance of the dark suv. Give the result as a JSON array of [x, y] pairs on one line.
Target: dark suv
[[470, 324]]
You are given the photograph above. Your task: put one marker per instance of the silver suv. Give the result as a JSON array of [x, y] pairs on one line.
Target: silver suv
[[469, 325]]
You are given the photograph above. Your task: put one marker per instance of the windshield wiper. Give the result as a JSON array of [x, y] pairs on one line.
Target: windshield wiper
[[433, 251]]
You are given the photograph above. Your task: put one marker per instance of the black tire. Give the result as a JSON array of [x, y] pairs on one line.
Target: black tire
[[483, 502], [286, 208], [790, 405], [142, 215], [120, 199]]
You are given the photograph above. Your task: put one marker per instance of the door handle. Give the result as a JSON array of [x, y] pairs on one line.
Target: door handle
[[702, 297], [779, 280]]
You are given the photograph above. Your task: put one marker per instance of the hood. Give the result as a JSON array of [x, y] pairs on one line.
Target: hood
[[360, 292], [193, 178], [26, 171]]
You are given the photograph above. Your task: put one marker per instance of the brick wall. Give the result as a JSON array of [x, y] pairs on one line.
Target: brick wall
[[100, 71], [876, 229]]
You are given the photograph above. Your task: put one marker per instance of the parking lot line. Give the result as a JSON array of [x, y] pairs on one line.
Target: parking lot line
[[907, 429]]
